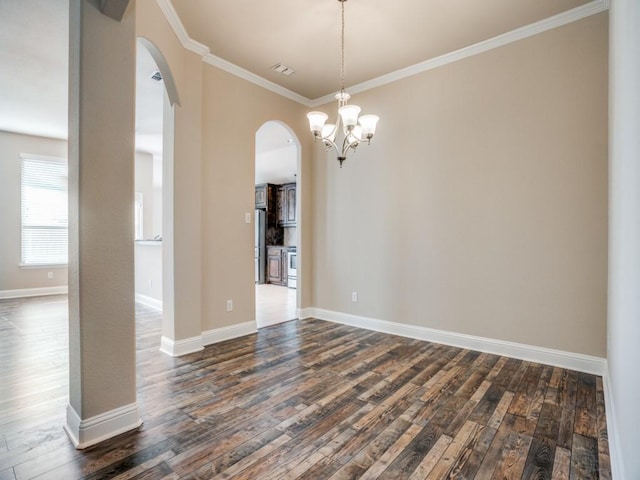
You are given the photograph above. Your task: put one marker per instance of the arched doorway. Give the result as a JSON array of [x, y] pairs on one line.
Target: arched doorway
[[156, 97], [277, 223]]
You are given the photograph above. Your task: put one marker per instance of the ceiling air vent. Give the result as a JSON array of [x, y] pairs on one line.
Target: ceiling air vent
[[157, 76], [283, 69]]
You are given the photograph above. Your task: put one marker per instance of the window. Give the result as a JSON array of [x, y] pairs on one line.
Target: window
[[44, 210]]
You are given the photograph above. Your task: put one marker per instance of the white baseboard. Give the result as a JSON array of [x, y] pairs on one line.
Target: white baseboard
[[176, 348], [303, 313], [90, 431], [33, 292], [558, 358], [617, 469], [149, 301], [227, 333]]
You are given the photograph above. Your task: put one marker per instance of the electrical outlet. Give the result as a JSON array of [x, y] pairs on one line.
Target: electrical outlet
[[50, 275], [229, 305], [247, 217], [354, 296]]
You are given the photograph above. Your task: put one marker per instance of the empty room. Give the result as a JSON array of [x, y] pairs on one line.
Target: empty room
[[449, 266]]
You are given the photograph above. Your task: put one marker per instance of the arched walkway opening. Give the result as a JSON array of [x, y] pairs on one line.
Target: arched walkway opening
[[277, 223]]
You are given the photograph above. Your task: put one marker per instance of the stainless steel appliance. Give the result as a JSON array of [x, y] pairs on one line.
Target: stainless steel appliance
[[260, 248], [292, 267]]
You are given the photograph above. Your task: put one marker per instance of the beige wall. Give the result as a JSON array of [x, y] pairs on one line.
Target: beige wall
[[12, 277], [214, 167], [232, 112], [481, 205]]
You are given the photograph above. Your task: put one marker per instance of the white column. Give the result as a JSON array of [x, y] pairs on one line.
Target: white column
[[624, 237], [102, 376]]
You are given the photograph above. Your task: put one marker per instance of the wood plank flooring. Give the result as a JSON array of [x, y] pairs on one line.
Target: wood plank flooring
[[301, 400]]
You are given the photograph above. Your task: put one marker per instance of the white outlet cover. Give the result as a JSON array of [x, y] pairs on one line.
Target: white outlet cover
[[247, 217]]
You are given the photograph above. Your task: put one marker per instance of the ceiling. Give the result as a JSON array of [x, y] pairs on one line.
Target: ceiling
[[382, 36]]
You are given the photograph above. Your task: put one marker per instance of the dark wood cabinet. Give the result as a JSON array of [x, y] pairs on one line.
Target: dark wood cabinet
[[277, 265], [287, 205], [267, 199], [261, 196]]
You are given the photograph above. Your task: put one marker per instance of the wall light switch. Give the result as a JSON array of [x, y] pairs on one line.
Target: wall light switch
[[354, 296], [229, 305], [50, 275], [247, 217]]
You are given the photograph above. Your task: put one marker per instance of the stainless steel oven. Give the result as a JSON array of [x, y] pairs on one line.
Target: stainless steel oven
[[292, 267]]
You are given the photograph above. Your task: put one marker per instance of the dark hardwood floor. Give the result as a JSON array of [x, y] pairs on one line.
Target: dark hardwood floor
[[304, 399]]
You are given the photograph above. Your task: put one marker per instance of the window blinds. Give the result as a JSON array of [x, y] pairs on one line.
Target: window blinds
[[44, 210]]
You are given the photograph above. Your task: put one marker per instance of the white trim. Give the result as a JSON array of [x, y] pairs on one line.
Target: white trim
[[177, 348], [149, 301], [227, 333], [548, 356], [256, 79], [303, 313], [33, 156], [592, 8], [198, 48], [90, 431], [33, 292], [33, 266], [615, 458]]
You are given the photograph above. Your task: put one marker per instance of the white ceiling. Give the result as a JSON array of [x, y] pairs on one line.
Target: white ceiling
[[276, 154], [34, 66], [382, 36]]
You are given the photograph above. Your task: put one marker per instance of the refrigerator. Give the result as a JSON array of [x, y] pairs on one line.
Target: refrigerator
[[260, 248]]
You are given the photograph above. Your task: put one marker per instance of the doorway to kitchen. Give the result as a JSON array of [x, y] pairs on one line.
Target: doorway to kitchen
[[277, 220]]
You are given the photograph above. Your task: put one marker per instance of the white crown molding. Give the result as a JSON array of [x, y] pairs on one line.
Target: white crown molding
[[33, 292], [88, 432], [255, 79], [227, 333], [558, 358], [592, 8], [149, 301], [198, 48], [177, 348], [617, 469]]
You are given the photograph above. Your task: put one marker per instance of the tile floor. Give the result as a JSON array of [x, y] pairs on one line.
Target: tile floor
[[274, 304]]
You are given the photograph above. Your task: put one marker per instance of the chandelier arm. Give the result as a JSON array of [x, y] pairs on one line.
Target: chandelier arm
[[346, 145], [328, 143]]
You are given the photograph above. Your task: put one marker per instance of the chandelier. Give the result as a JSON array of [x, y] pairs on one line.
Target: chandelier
[[355, 129]]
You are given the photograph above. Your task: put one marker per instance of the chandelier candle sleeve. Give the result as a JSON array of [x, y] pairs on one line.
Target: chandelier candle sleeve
[[356, 129]]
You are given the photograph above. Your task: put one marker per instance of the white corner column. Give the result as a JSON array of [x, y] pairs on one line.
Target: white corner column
[[102, 374], [623, 323]]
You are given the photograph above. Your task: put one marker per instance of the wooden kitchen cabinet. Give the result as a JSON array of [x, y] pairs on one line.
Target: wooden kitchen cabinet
[[287, 205], [277, 265], [267, 199]]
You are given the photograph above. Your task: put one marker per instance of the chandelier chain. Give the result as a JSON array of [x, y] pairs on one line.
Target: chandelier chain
[[342, 50], [356, 128]]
